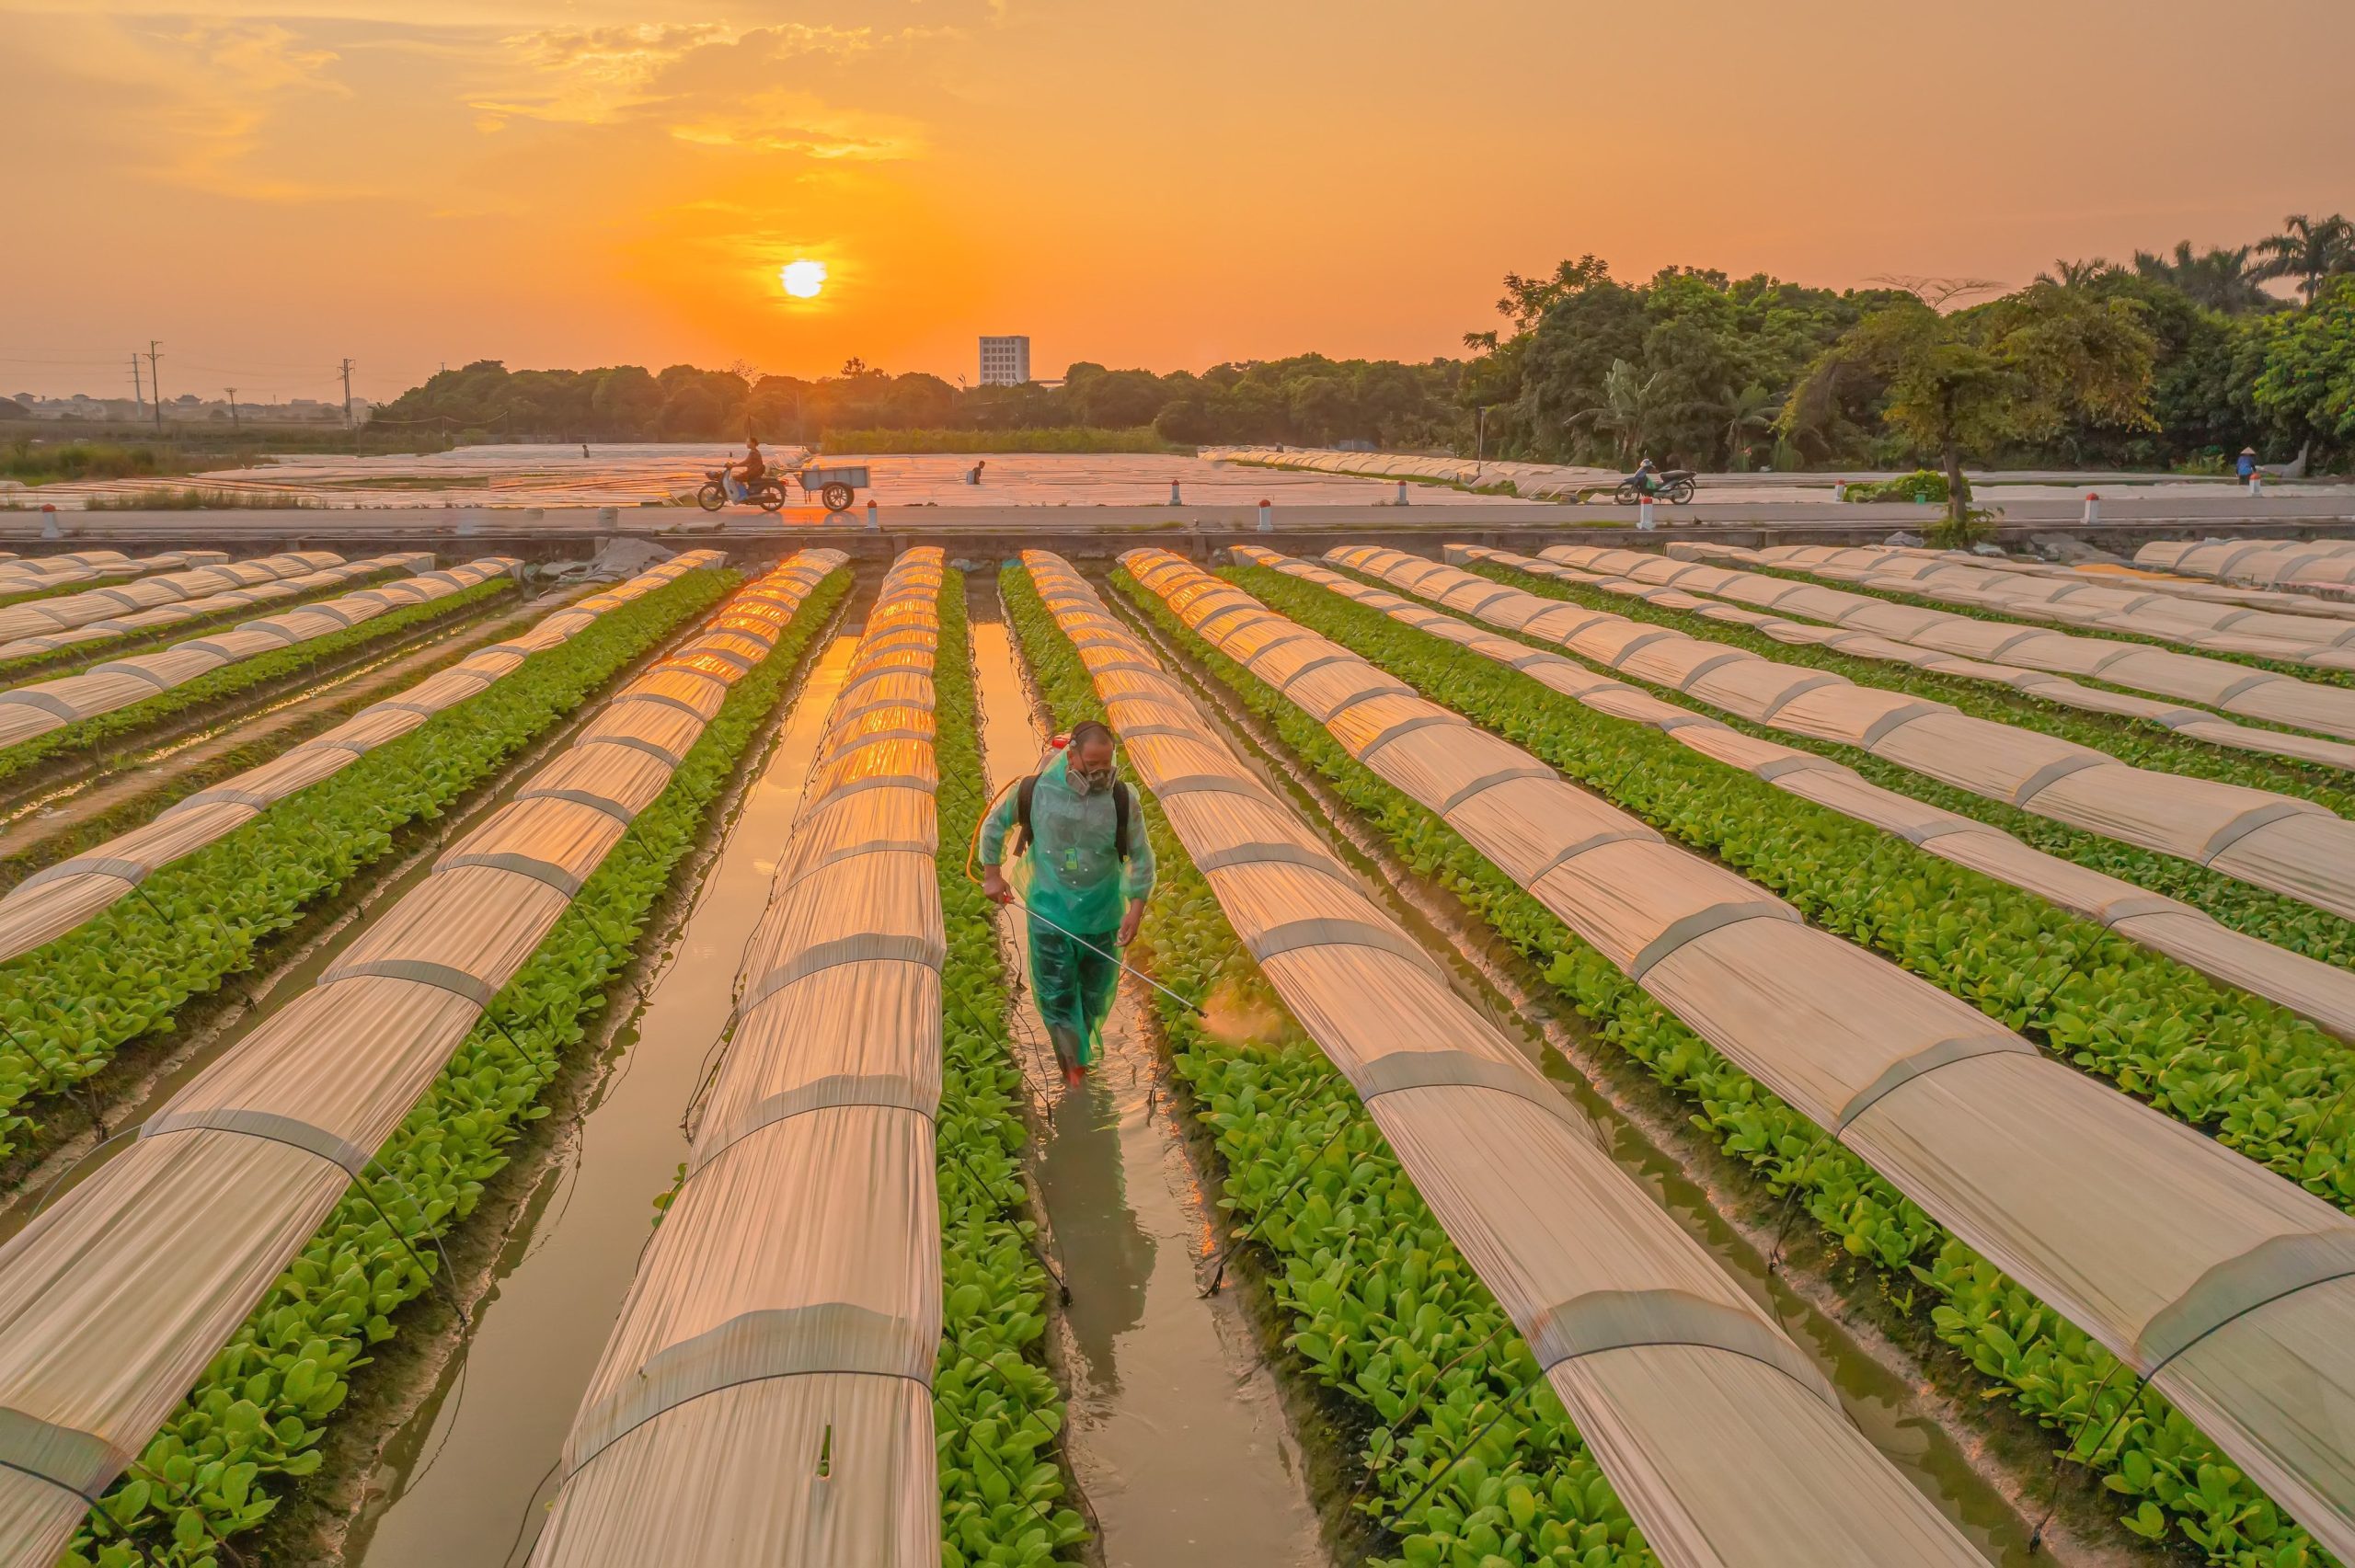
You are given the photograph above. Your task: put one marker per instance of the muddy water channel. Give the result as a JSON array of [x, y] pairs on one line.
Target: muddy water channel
[[1177, 1430], [464, 1483]]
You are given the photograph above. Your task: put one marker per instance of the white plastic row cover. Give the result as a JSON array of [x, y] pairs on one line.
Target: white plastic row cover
[[60, 898], [1641, 575], [1722, 1439], [40, 574], [2232, 1289], [2326, 565], [2283, 844], [35, 710], [201, 578], [174, 613], [114, 1299], [2223, 683], [766, 1396], [2320, 991]]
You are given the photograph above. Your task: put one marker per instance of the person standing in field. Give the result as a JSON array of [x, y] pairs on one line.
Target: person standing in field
[[2248, 464], [1090, 872]]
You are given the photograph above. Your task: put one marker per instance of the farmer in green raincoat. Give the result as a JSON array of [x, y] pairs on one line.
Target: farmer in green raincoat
[[1090, 873]]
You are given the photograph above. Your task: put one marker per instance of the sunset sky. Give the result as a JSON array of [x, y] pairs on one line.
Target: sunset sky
[[270, 185]]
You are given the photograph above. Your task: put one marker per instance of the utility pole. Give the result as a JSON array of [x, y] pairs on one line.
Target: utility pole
[[138, 397], [346, 392], [233, 410], [155, 385]]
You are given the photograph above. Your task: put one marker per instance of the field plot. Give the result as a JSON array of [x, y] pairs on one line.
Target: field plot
[[242, 1164], [2319, 566], [1911, 1114]]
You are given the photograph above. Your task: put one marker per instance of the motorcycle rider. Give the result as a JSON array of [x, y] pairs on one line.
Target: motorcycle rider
[[1647, 478], [742, 476]]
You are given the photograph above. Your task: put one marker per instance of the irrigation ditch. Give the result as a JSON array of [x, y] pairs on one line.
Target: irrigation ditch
[[464, 1441], [629, 912]]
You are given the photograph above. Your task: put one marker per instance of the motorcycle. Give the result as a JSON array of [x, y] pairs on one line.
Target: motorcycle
[[1674, 485], [768, 492]]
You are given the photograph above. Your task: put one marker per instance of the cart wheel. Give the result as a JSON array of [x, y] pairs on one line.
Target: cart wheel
[[837, 497], [712, 496]]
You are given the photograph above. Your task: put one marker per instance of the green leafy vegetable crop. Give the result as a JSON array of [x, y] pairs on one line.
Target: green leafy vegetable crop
[[1387, 1314], [2048, 1369], [68, 1007], [254, 1421], [245, 675], [995, 1408]]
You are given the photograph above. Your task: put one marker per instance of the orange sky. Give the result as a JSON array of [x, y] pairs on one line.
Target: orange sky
[[280, 183]]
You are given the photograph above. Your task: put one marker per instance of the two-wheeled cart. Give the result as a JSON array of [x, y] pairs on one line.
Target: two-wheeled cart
[[836, 488]]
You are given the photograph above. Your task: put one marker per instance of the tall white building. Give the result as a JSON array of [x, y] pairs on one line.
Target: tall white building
[[1005, 361]]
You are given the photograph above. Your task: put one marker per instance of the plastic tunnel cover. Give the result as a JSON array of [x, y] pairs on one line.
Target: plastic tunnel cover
[[2097, 1204], [1722, 1440], [765, 1397], [114, 1299], [2267, 840]]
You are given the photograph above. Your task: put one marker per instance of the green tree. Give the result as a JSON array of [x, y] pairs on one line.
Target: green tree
[[2307, 251], [2308, 381], [1748, 415], [2218, 278], [1632, 407], [2013, 370]]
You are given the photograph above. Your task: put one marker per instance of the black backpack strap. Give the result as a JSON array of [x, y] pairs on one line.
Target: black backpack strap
[[1120, 797], [1022, 795]]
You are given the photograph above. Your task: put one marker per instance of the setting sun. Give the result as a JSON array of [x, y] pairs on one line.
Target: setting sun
[[803, 280]]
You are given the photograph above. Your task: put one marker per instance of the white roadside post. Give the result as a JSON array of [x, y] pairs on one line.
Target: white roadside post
[[1402, 492], [872, 520], [2256, 483], [1267, 517], [1644, 514], [1173, 494], [2093, 507]]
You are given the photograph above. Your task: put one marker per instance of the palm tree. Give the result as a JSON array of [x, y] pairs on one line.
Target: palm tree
[[1631, 406], [1748, 415], [2308, 251], [2219, 279], [2078, 274]]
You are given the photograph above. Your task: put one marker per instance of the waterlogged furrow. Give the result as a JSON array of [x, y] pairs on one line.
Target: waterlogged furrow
[[1459, 1467], [2180, 1483], [997, 1415], [256, 1419], [70, 1006]]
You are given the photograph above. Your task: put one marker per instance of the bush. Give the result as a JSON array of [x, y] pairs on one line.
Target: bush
[[1922, 485], [1059, 437]]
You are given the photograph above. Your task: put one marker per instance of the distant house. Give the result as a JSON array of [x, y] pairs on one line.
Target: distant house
[[1005, 361]]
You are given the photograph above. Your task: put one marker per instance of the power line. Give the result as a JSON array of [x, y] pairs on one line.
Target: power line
[[155, 384]]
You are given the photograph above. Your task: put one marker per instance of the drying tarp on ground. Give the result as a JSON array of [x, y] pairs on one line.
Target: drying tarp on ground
[[2325, 566], [114, 1299], [2280, 843], [36, 709], [2233, 687], [1647, 577], [2232, 1289], [181, 610], [766, 1394], [1722, 1439], [2321, 991], [57, 899]]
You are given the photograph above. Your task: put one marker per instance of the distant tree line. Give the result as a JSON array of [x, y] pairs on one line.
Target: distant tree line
[[2171, 361], [1308, 400]]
